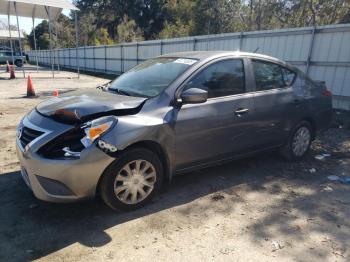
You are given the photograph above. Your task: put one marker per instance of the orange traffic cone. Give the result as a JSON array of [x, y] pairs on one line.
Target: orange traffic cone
[[12, 72], [30, 87], [7, 66], [55, 93]]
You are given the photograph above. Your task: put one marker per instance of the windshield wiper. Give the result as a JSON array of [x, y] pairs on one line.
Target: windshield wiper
[[103, 87]]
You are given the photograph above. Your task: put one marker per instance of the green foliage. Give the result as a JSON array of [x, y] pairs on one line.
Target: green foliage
[[102, 37], [128, 31], [110, 21], [63, 34], [43, 41], [42, 36], [175, 29], [179, 19], [87, 29]]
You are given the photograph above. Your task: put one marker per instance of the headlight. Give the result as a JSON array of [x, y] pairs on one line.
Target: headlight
[[96, 128]]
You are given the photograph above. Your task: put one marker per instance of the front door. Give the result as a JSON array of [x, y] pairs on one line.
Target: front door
[[221, 126]]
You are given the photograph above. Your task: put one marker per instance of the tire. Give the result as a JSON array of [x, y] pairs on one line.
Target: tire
[[19, 63], [290, 151], [118, 185]]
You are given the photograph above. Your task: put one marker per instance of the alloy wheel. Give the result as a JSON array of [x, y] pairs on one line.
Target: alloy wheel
[[135, 181], [301, 141]]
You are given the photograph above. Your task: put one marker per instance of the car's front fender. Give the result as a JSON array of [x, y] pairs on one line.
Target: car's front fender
[[134, 129]]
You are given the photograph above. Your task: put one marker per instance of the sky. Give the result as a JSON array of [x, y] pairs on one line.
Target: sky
[[26, 23]]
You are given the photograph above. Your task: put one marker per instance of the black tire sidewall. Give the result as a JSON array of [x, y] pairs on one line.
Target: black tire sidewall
[[108, 179], [289, 147]]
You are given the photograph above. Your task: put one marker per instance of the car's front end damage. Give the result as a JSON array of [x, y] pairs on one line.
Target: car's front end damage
[[61, 152], [53, 174]]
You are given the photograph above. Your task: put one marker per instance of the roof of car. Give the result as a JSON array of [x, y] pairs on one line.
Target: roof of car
[[201, 55]]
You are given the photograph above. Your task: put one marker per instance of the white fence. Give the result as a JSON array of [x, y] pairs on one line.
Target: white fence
[[323, 52]]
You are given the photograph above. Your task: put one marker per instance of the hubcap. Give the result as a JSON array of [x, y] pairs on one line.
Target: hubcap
[[135, 181], [301, 141]]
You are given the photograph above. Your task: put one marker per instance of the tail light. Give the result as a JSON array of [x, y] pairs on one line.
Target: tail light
[[327, 93]]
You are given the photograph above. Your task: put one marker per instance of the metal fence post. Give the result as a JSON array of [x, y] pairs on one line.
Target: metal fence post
[[240, 41], [310, 50], [121, 59], [161, 47], [105, 59], [70, 63], [77, 43], [85, 57], [137, 53], [194, 44], [19, 37], [93, 56]]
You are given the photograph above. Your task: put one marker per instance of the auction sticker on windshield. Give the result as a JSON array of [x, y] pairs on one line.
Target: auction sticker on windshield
[[185, 61]]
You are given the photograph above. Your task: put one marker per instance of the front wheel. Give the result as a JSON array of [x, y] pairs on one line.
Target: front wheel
[[132, 179], [299, 142]]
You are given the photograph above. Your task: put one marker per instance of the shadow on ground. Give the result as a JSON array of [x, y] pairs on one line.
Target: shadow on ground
[[31, 229]]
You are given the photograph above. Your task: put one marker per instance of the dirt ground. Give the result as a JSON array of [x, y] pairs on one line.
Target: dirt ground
[[257, 209]]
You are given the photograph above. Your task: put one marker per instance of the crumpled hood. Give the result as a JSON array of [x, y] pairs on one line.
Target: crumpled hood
[[83, 105]]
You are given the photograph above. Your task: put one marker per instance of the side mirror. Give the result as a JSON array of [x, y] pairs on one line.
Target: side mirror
[[194, 96]]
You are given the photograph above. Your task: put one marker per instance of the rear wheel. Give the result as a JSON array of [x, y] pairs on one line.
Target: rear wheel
[[299, 142], [132, 180]]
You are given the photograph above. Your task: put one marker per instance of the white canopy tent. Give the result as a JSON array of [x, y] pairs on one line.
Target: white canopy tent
[[35, 8], [42, 9]]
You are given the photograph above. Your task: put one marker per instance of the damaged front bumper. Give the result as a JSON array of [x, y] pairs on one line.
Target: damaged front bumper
[[59, 180]]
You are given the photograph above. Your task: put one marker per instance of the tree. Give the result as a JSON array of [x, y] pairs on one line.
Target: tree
[[42, 36], [128, 31], [178, 19], [216, 16], [111, 21], [63, 34]]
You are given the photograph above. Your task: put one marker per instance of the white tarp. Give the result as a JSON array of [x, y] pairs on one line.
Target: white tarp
[[35, 8], [5, 34]]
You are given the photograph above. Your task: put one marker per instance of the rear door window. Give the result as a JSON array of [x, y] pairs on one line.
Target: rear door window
[[222, 78], [288, 76], [271, 76]]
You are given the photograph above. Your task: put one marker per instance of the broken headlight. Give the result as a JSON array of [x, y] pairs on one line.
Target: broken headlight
[[96, 128], [71, 143]]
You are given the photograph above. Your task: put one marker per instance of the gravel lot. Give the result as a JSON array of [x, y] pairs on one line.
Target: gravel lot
[[261, 208]]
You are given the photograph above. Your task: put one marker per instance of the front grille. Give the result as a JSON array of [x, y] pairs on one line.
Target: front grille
[[28, 135]]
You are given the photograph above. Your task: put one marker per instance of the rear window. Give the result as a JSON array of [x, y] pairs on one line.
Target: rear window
[[271, 76], [288, 76]]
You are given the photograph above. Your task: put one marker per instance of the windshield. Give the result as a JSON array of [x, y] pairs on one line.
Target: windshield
[[151, 77]]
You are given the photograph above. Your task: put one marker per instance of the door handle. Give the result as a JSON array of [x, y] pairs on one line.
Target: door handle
[[241, 111]]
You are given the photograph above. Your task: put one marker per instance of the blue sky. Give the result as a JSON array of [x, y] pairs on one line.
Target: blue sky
[[25, 23]]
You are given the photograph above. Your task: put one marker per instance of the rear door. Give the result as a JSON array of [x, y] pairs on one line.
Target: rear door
[[221, 126], [275, 102]]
